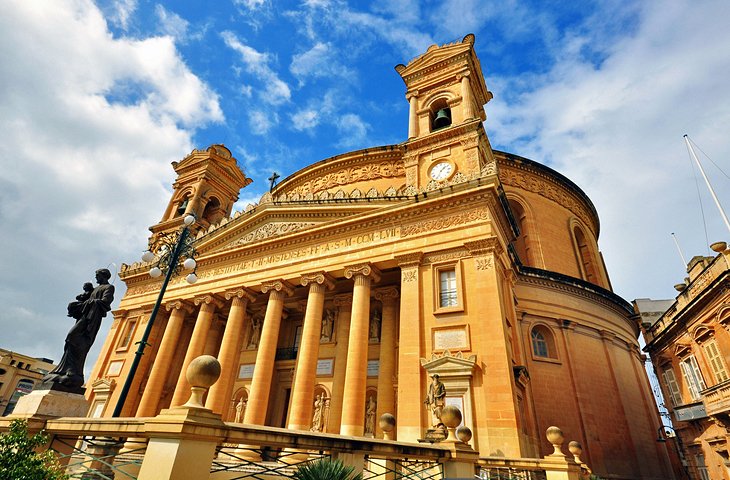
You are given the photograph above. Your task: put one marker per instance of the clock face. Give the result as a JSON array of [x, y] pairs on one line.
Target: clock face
[[441, 170]]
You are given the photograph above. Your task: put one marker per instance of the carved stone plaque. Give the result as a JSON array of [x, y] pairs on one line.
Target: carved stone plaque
[[246, 371], [373, 368], [451, 339], [325, 367]]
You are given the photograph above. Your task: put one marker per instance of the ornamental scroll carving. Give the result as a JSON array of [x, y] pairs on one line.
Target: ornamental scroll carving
[[445, 222], [271, 230], [364, 269], [388, 169], [532, 183]]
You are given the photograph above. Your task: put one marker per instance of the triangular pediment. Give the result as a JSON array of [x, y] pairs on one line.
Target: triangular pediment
[[435, 55], [447, 364], [270, 221]]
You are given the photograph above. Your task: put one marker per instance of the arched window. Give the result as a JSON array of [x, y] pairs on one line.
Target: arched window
[[522, 243], [543, 342], [213, 211], [584, 252]]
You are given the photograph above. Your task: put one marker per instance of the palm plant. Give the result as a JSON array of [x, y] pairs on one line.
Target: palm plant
[[326, 469]]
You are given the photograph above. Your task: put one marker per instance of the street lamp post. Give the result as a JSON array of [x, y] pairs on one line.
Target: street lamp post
[[662, 437], [168, 257]]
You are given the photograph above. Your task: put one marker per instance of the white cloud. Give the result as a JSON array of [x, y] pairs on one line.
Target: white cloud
[[172, 24], [122, 12], [86, 154], [353, 130], [261, 122], [275, 91], [616, 130], [322, 60], [305, 119]]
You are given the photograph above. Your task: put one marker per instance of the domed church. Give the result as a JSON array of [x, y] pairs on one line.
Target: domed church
[[361, 280]]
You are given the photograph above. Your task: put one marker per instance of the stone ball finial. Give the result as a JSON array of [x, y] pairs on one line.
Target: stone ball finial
[[387, 425], [575, 449], [463, 433], [451, 418], [202, 372], [555, 437]]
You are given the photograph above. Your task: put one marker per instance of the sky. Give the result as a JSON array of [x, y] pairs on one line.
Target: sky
[[97, 99]]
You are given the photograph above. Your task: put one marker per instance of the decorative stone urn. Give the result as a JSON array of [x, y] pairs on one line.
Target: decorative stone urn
[[387, 424], [202, 372], [451, 418]]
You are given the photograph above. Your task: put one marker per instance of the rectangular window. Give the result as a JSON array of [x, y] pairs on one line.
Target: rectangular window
[[702, 467], [692, 377], [670, 381], [715, 360], [126, 339], [447, 290]]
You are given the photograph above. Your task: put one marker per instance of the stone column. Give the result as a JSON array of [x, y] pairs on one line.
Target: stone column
[[353, 401], [466, 99], [230, 352], [208, 304], [258, 399], [161, 368], [412, 115], [410, 387], [388, 296], [300, 417], [344, 309]]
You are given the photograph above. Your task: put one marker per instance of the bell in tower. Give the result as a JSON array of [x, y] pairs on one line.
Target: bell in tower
[[207, 185]]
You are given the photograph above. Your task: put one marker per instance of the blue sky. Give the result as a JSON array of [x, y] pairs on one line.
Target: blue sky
[[99, 98]]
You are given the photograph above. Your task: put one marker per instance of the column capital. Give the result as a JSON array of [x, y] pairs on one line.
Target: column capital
[[321, 278], [242, 293], [343, 300], [208, 299], [386, 294], [464, 74], [278, 285], [178, 305], [485, 246], [409, 259], [411, 94], [364, 269]]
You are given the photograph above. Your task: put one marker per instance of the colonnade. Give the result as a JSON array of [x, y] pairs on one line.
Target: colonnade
[[349, 380]]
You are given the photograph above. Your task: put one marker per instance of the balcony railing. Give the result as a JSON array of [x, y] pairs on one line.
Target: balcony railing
[[691, 411], [289, 353], [717, 398]]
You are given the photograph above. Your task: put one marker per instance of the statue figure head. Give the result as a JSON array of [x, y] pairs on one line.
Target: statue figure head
[[103, 273]]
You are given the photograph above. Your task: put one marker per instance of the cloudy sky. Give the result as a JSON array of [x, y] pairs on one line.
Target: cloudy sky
[[96, 100]]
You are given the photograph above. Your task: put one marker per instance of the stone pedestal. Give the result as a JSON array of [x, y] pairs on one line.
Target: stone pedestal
[[51, 403], [434, 435]]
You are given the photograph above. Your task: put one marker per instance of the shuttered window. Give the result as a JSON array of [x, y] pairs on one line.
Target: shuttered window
[[692, 377], [672, 387], [715, 360]]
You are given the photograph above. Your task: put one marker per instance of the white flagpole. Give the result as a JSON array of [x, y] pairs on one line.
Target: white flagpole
[[712, 192]]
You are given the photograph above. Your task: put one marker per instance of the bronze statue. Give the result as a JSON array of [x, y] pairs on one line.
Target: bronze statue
[[89, 308]]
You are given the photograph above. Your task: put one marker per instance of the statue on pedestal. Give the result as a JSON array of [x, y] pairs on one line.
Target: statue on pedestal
[[435, 399], [88, 309]]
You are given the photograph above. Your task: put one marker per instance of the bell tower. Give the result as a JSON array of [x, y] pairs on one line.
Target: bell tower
[[446, 93], [207, 186]]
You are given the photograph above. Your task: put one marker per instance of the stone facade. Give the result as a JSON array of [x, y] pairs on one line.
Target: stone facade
[[355, 279], [689, 346]]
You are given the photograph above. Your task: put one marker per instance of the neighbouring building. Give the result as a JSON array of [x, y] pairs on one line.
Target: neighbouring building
[[356, 279], [18, 375], [689, 346]]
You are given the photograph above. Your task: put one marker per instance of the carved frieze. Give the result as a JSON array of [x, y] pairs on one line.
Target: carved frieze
[[477, 214], [356, 173], [271, 230], [532, 183]]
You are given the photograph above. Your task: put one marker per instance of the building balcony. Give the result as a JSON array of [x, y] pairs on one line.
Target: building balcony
[[690, 411], [289, 353], [717, 398]]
